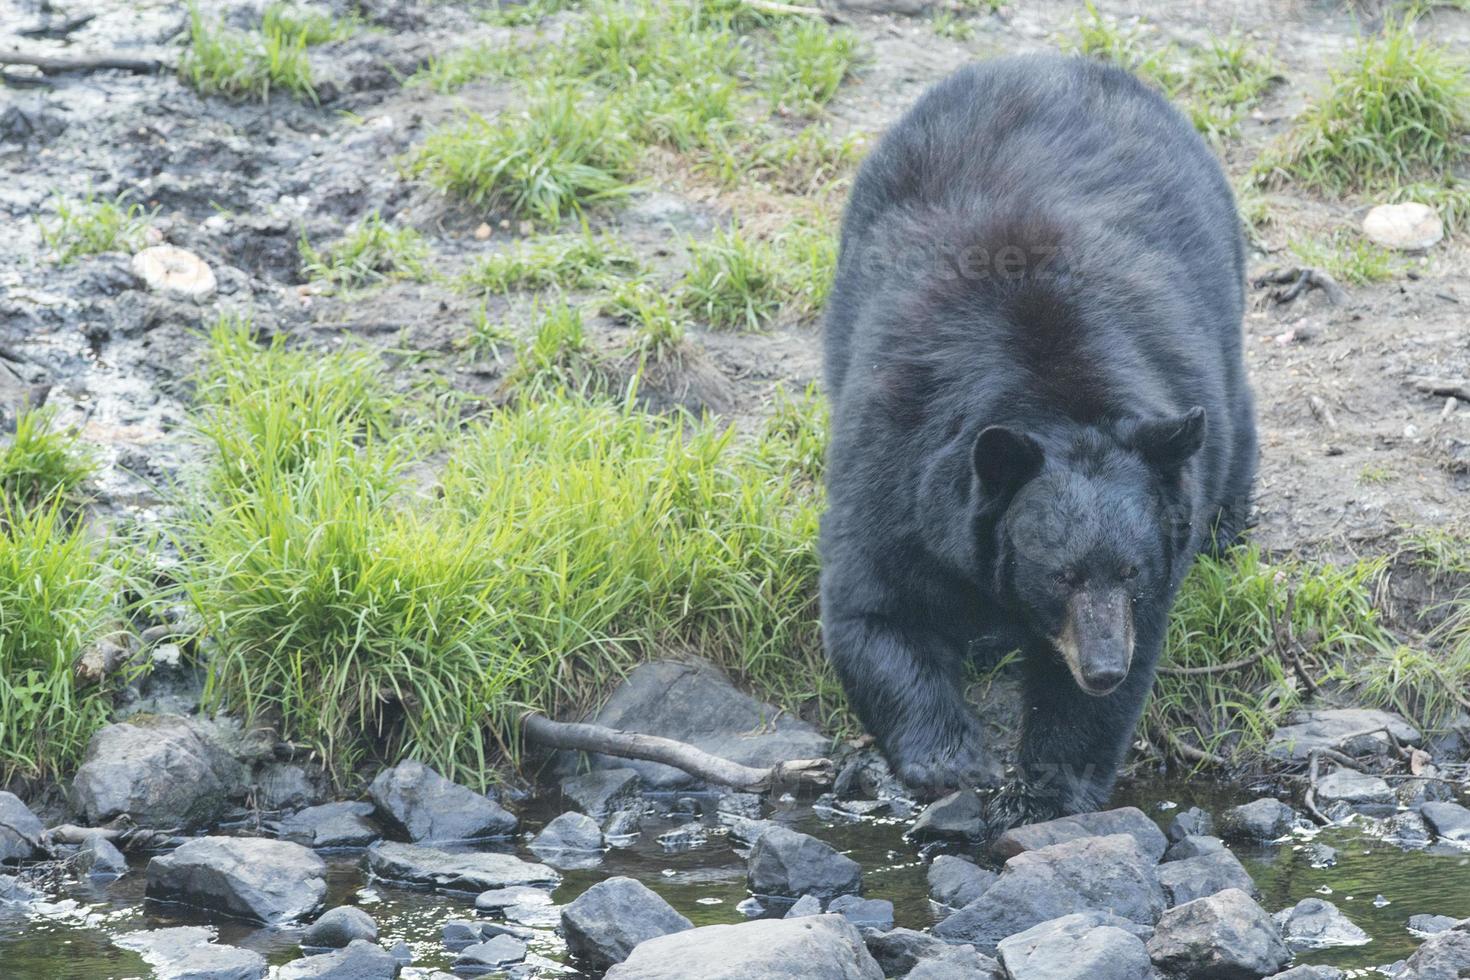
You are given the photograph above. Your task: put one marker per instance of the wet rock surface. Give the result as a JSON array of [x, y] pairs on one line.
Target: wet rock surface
[[1259, 821], [338, 927], [252, 878], [602, 792], [460, 871], [1085, 946], [1126, 820], [1316, 924], [605, 923], [331, 825], [814, 947], [20, 830], [360, 960], [789, 864], [1226, 935], [417, 803]]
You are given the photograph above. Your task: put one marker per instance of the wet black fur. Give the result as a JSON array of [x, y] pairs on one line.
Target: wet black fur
[[1044, 244]]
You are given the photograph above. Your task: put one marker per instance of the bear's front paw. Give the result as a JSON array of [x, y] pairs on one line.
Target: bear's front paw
[[935, 770], [1016, 804]]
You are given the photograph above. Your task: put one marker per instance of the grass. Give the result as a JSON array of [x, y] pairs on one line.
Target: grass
[[311, 26], [58, 589], [519, 14], [582, 261], [90, 225], [557, 356], [248, 64], [658, 324], [486, 336], [1346, 257], [809, 61], [566, 540], [558, 156], [40, 464], [733, 282], [1376, 475], [1396, 112], [453, 71], [371, 251]]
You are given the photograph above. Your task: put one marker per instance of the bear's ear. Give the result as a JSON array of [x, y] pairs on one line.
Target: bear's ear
[[1168, 443], [1005, 459]]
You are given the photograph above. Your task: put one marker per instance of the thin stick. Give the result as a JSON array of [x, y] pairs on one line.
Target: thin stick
[[770, 7], [681, 755], [1309, 798], [1215, 668], [52, 65], [1191, 753]]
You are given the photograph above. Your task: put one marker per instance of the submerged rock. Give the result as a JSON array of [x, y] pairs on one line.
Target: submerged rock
[[1259, 821], [20, 830], [331, 825], [496, 901], [270, 881], [605, 923], [1125, 820], [460, 871], [790, 864], [956, 817], [814, 947], [1431, 925], [1310, 973], [1315, 924], [1192, 822], [865, 913], [99, 858], [1359, 791], [13, 891], [416, 802], [1086, 946], [360, 960], [694, 702], [338, 927], [956, 882], [190, 953], [603, 791], [1197, 877], [1340, 729], [494, 952], [1226, 935], [165, 773], [575, 832]]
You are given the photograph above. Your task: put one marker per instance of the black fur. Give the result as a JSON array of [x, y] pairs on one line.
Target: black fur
[[1039, 415]]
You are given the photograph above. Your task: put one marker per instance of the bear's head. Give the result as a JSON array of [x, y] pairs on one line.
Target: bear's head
[[1089, 527]]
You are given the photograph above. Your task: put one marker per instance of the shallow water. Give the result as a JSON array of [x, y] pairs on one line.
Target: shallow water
[[707, 884]]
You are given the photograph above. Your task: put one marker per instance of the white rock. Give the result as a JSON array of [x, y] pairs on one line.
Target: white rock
[[175, 272], [1409, 227]]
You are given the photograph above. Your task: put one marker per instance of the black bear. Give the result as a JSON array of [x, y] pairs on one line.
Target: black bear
[[1039, 417]]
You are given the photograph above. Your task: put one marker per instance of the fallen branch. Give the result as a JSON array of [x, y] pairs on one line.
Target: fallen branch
[[653, 748], [1224, 668], [1190, 753], [53, 65], [1450, 387], [1298, 281], [1309, 798], [126, 838]]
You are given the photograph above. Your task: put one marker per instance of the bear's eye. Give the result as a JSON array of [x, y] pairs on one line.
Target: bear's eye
[[1128, 572], [1068, 578]]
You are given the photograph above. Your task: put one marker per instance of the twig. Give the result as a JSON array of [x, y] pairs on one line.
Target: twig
[[680, 755], [128, 838], [1190, 752], [52, 65], [1309, 798], [1285, 639], [1215, 668], [1323, 411], [1451, 387], [771, 7], [1298, 280], [49, 29]]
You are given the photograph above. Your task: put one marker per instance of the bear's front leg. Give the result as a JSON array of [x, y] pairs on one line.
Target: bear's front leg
[[1072, 743], [903, 681]]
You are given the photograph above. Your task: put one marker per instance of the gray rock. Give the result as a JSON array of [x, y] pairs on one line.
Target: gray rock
[[1192, 822], [569, 832], [1076, 947], [331, 825], [956, 882], [499, 951], [164, 773], [899, 950], [416, 802], [683, 838], [1315, 924], [1077, 876], [360, 960], [1197, 877], [20, 830], [13, 891], [1431, 925], [1310, 973], [746, 805], [1360, 791], [497, 901], [791, 864], [338, 927], [621, 828], [189, 953], [1407, 830], [604, 923], [460, 871], [1193, 847], [694, 702], [747, 832], [288, 786], [270, 881], [1336, 728], [1261, 820], [1125, 820], [1445, 956], [603, 791], [1320, 855], [459, 933], [1449, 821], [1416, 792], [865, 913], [814, 947], [956, 817], [1226, 936], [99, 858], [957, 963], [805, 905]]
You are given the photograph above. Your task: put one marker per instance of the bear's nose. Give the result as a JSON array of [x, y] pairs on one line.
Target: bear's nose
[[1103, 679]]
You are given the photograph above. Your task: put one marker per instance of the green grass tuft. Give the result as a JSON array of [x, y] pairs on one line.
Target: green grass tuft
[[558, 356], [310, 25], [89, 225], [40, 464], [453, 71], [247, 64], [585, 261], [733, 283], [1347, 258], [808, 63], [658, 324], [371, 251]]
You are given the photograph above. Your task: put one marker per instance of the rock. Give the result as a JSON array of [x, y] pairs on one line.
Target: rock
[[957, 963], [338, 927], [683, 838], [622, 827], [1077, 876], [287, 786], [1125, 820], [270, 881], [604, 923], [1449, 821], [175, 272], [1259, 821], [99, 858], [164, 773], [1310, 973], [331, 825], [20, 830], [1445, 956], [1193, 847], [814, 947], [189, 953], [1415, 793], [360, 960], [496, 952], [805, 905], [500, 901], [791, 864], [899, 950], [1076, 947], [865, 913], [1407, 227], [695, 703], [1431, 925], [1192, 822], [1407, 830], [1315, 924], [1226, 936], [1334, 728], [416, 802], [603, 791], [1197, 877], [13, 891], [747, 832], [956, 882], [569, 832], [956, 817], [459, 871], [1360, 791], [746, 805]]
